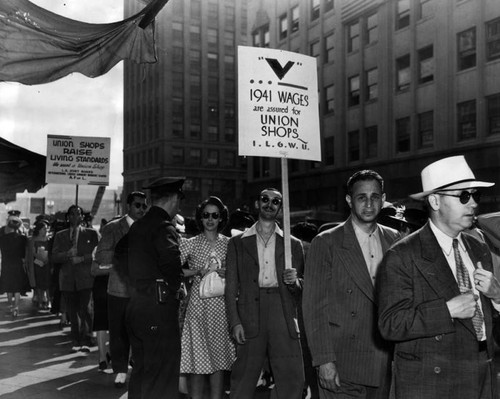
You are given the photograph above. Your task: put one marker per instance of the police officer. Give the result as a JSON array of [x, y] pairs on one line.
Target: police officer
[[155, 271]]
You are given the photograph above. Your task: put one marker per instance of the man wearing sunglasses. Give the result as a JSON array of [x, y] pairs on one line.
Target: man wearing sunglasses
[[118, 290], [437, 294], [155, 272], [261, 304]]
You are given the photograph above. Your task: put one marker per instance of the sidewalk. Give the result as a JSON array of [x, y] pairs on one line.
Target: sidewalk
[[36, 361]]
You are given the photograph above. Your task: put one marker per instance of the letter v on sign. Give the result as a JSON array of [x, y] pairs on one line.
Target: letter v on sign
[[278, 69]]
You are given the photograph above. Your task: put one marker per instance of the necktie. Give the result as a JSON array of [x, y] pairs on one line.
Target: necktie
[[465, 285]]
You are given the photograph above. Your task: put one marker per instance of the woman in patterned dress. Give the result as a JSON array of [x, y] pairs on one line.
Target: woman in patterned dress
[[207, 348]]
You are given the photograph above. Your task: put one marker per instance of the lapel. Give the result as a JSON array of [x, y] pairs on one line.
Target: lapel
[[250, 247], [351, 257], [123, 226], [279, 252], [435, 269]]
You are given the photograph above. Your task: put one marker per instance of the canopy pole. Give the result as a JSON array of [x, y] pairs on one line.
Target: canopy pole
[[76, 195]]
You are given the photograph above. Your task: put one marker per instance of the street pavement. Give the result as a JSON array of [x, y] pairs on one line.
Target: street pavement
[[36, 361]]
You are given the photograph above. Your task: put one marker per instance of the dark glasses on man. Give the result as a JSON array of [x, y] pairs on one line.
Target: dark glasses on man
[[139, 205], [464, 196], [206, 215], [265, 199]]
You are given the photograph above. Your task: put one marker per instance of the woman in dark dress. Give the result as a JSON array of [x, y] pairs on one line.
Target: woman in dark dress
[[13, 278]]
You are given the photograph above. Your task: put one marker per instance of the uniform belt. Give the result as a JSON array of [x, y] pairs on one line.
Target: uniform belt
[[482, 346]]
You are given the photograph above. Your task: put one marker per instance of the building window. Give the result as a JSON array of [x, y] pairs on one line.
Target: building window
[[229, 64], [213, 87], [212, 39], [195, 9], [426, 129], [177, 117], [213, 133], [177, 32], [229, 42], [353, 146], [229, 88], [194, 35], [493, 39], [426, 64], [195, 85], [402, 14], [328, 5], [329, 46], [329, 150], [425, 9], [195, 156], [260, 37], [493, 108], [353, 37], [315, 9], [283, 26], [372, 84], [213, 157], [267, 37], [178, 56], [213, 63], [177, 155], [371, 134], [213, 14], [195, 131], [466, 120], [403, 135], [353, 98], [229, 134], [371, 28], [213, 113], [466, 43], [229, 159], [329, 99], [194, 60], [229, 14], [178, 82], [315, 49], [403, 72], [295, 19]]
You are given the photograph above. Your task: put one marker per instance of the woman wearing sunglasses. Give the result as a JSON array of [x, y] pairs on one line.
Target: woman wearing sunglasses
[[207, 348]]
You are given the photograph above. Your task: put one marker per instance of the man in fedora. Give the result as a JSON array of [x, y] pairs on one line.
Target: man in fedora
[[155, 270], [436, 294]]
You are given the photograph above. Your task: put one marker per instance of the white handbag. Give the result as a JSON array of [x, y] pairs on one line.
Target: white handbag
[[212, 285]]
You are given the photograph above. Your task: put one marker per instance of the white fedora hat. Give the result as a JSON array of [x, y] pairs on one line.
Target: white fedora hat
[[451, 173]]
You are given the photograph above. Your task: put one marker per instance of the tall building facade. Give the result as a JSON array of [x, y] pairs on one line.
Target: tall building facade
[[401, 84], [180, 114]]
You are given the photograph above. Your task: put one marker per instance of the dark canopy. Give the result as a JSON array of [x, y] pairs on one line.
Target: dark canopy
[[20, 169]]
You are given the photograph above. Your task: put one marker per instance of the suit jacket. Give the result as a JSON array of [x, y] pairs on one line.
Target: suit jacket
[[339, 306], [111, 233], [242, 283], [75, 277], [435, 356]]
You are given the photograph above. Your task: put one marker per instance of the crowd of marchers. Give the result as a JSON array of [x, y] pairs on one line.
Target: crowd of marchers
[[390, 303]]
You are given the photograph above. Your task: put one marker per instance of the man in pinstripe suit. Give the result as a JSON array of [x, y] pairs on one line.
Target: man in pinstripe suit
[[352, 359]]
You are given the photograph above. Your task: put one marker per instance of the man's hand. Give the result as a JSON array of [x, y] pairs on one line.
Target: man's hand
[[462, 306], [290, 276], [239, 334], [328, 376], [486, 283]]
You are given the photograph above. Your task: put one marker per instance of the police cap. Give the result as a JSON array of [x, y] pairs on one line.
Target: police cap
[[167, 185], [14, 213]]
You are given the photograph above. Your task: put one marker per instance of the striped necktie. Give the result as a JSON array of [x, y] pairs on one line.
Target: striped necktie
[[465, 285]]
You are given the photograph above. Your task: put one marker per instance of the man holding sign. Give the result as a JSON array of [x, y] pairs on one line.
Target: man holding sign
[[261, 305]]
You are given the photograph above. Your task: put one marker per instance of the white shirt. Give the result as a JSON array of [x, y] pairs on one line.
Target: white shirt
[[446, 244], [371, 247]]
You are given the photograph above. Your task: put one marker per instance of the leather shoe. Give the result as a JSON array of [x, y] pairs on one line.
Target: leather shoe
[[102, 366], [85, 349], [120, 380]]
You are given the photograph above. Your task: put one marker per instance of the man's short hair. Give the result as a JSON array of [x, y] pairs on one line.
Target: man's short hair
[[133, 194], [363, 175], [270, 189], [74, 207]]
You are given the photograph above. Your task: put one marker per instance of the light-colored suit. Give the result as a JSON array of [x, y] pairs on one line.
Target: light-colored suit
[[435, 356], [339, 306]]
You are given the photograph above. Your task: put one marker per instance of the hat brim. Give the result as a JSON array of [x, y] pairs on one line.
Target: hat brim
[[458, 186]]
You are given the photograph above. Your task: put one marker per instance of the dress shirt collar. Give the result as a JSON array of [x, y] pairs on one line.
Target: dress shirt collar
[[129, 220], [444, 240], [252, 231]]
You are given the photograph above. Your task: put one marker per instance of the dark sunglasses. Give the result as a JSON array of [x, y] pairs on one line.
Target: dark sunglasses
[[275, 201], [139, 205], [206, 215], [464, 196]]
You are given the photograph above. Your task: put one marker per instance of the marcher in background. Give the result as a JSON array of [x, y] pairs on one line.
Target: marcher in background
[[207, 347], [339, 309], [155, 271], [73, 249], [261, 301], [118, 286], [437, 294], [13, 278], [37, 260]]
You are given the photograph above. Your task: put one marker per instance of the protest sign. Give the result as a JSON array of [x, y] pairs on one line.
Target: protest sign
[[78, 160], [278, 104]]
